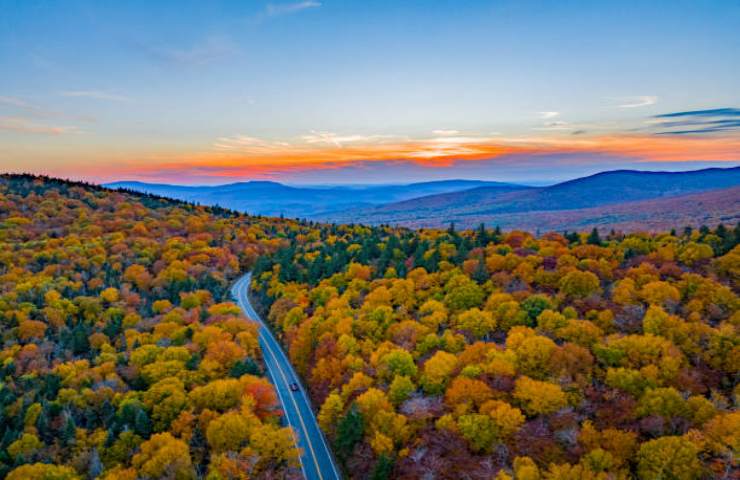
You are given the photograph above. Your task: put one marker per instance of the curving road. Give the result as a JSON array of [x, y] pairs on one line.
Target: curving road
[[317, 462]]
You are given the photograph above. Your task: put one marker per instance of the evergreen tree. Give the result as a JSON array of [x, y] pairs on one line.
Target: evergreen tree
[[383, 468], [481, 236], [480, 274], [350, 430], [594, 238], [244, 367], [67, 434]]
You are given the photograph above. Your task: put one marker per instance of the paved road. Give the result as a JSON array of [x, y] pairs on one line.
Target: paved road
[[317, 462]]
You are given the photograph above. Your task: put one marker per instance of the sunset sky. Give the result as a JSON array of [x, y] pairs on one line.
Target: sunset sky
[[330, 91]]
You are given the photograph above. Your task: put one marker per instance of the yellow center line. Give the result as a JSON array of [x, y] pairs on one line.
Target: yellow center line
[[295, 404], [298, 412], [274, 381]]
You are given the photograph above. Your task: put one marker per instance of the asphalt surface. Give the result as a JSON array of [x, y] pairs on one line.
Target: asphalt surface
[[317, 462]]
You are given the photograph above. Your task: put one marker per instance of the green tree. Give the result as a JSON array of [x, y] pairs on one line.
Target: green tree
[[668, 458], [594, 238], [350, 430], [383, 468]]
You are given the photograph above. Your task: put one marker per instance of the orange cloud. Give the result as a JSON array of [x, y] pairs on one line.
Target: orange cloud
[[244, 156]]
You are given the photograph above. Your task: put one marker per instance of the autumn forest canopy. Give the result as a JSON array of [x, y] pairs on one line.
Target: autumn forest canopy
[[427, 353]]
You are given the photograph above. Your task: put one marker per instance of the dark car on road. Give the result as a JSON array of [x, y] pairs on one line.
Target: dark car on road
[[294, 387]]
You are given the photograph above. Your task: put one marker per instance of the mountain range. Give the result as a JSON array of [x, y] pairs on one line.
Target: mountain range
[[623, 199], [274, 199]]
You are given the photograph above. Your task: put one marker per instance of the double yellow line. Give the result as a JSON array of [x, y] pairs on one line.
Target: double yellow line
[[266, 341], [297, 409]]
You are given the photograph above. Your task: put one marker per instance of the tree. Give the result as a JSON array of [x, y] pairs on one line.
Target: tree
[[534, 354], [665, 402], [43, 471], [660, 293], [539, 397], [478, 430], [397, 362], [579, 284], [400, 389], [723, 435], [437, 371], [594, 238], [24, 447], [467, 394], [230, 431], [525, 469], [668, 457], [164, 456], [330, 411], [275, 446], [479, 323], [534, 305], [371, 403], [506, 419], [383, 468], [166, 399], [350, 431], [463, 293]]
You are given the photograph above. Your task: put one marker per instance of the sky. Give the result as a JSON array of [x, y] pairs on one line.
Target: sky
[[341, 91]]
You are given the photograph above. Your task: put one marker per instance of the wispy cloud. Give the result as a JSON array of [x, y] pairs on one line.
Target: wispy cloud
[[557, 125], [637, 102], [96, 95], [446, 133], [278, 9], [247, 144], [18, 103], [548, 115], [338, 140], [206, 51], [22, 125], [697, 121], [728, 111]]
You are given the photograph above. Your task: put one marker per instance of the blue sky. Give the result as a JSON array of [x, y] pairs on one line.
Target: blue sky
[[198, 92]]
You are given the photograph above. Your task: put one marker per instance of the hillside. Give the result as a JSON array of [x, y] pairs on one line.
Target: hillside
[[523, 208], [275, 199], [121, 357], [478, 355], [706, 208]]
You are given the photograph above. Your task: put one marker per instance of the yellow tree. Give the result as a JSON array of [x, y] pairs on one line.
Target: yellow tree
[[437, 372], [43, 471], [230, 431], [164, 456], [668, 457], [330, 412], [479, 323], [274, 446], [539, 397]]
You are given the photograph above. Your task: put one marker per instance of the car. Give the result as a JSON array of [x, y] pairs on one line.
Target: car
[[294, 387]]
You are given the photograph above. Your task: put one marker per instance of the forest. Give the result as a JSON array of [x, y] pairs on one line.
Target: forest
[[482, 354], [429, 354], [122, 357]]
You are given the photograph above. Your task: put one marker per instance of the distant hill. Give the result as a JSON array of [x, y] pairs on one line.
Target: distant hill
[[525, 207], [271, 198], [662, 214]]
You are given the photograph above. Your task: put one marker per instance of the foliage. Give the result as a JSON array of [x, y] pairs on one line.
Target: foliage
[[431, 353], [485, 352], [121, 356]]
